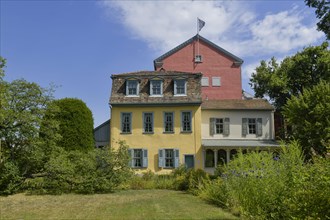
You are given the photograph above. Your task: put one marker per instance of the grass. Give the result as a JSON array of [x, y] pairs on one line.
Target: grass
[[130, 204]]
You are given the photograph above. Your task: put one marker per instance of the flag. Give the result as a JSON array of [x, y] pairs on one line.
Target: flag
[[200, 24]]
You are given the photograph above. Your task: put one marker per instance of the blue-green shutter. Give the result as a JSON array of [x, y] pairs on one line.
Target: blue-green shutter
[[144, 158], [226, 130], [161, 158], [244, 126], [176, 158], [259, 126], [131, 155]]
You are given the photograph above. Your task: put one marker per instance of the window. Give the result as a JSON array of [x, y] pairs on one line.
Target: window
[[222, 157], [205, 81], [180, 87], [186, 121], [148, 122], [139, 158], [209, 158], [168, 158], [219, 126], [132, 88], [156, 87], [216, 81], [168, 122], [252, 126], [198, 58], [126, 120]]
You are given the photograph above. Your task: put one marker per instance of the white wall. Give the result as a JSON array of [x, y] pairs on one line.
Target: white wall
[[236, 123]]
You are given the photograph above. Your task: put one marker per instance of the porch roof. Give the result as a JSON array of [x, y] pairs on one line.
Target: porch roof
[[239, 143]]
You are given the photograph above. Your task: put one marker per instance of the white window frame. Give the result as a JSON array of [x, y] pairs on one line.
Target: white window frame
[[128, 83], [205, 81], [176, 87], [216, 81], [152, 82]]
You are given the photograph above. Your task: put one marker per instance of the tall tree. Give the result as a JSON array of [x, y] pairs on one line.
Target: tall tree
[[23, 106], [309, 115], [278, 82], [76, 124], [322, 13]]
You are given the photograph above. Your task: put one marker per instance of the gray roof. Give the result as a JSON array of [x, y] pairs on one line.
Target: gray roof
[[238, 143], [237, 104], [194, 38], [193, 96]]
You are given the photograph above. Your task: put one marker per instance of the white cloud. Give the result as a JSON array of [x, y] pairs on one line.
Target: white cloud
[[233, 25]]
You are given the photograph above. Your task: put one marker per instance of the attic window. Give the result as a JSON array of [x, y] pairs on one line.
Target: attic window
[[198, 58]]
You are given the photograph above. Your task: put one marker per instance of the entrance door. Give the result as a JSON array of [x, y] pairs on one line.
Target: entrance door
[[189, 161]]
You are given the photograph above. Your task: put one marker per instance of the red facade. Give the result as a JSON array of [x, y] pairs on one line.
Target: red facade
[[215, 62]]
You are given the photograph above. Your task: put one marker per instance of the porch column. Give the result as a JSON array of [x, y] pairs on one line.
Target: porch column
[[203, 159], [228, 155], [215, 157]]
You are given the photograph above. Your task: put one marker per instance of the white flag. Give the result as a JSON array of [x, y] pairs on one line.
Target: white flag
[[200, 24]]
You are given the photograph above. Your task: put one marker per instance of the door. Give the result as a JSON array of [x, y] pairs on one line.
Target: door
[[189, 161]]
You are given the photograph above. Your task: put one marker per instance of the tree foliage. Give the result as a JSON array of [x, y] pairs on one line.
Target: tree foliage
[[309, 115], [279, 82], [322, 13], [76, 124]]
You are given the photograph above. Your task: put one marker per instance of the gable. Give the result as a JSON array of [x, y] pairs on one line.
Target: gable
[[236, 60]]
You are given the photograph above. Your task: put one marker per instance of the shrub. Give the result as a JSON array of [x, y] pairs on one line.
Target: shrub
[[260, 187], [97, 171], [10, 178]]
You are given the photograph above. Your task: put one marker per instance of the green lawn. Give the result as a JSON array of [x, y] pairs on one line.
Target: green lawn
[[138, 204]]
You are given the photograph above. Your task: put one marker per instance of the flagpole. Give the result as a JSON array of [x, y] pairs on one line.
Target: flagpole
[[197, 36]]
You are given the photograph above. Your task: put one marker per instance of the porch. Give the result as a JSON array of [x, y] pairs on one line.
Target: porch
[[220, 151]]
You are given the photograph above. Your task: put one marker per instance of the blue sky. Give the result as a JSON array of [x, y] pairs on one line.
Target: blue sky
[[77, 45]]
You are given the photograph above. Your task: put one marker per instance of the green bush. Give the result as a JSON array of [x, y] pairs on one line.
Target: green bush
[[259, 187], [97, 171], [10, 178]]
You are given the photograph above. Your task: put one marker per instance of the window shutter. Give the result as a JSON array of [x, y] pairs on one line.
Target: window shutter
[[175, 92], [259, 126], [131, 154], [161, 158], [126, 86], [176, 158], [244, 126], [144, 158], [226, 130], [212, 125]]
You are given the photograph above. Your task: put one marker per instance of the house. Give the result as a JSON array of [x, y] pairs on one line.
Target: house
[[158, 115], [102, 134], [190, 110]]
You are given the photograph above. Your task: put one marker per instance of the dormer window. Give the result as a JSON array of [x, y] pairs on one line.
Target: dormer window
[[198, 58], [156, 87], [180, 87], [132, 88]]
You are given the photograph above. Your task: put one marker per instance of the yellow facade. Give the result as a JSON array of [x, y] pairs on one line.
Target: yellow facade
[[187, 143]]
